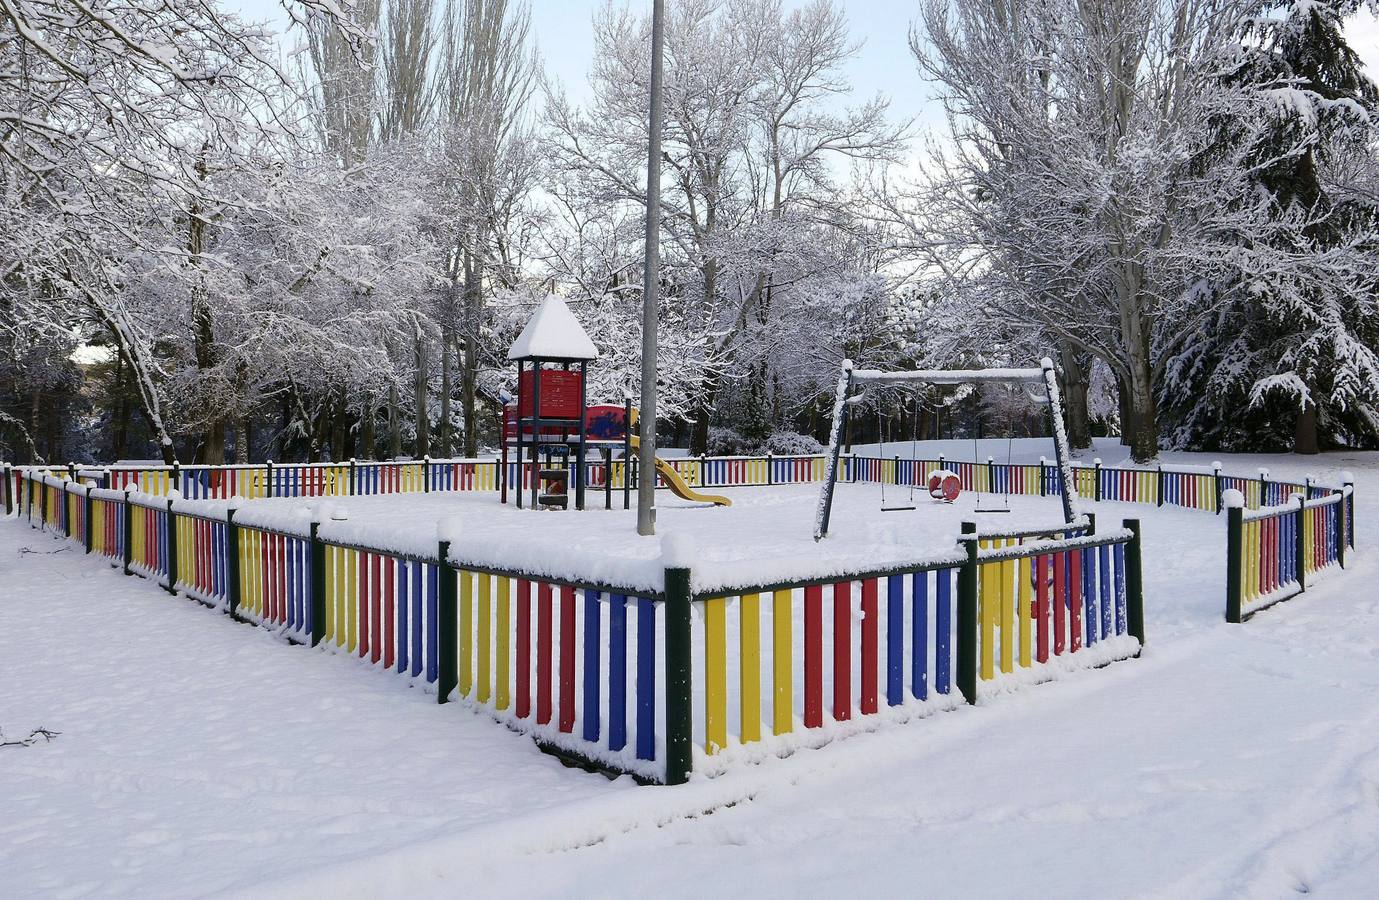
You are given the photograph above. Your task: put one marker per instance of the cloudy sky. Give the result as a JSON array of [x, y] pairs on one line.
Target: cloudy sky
[[565, 36]]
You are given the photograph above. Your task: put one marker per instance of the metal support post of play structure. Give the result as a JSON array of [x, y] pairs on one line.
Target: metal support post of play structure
[[840, 414], [627, 453], [581, 450], [967, 615], [535, 432]]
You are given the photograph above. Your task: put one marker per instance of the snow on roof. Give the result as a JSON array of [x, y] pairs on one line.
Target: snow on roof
[[553, 333]]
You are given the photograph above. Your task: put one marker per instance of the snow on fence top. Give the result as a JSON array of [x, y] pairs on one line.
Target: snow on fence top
[[553, 333]]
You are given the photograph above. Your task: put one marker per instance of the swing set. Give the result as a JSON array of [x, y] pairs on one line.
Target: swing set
[[1044, 376], [940, 487]]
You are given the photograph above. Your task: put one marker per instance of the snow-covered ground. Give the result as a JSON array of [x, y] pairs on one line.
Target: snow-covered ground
[[197, 756], [766, 535]]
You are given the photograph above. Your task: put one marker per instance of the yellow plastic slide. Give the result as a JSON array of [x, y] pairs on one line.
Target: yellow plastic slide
[[677, 484]]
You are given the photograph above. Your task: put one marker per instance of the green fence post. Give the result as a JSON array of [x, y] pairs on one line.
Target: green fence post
[[268, 479], [1159, 487], [177, 476], [679, 677], [171, 586], [1348, 501], [1235, 522], [86, 520], [1134, 582], [1096, 480], [1340, 531], [770, 468], [1091, 523], [1043, 477], [447, 622], [426, 474], [232, 566], [66, 511], [967, 615], [1216, 481], [43, 506], [353, 490], [8, 472], [72, 471], [128, 534], [318, 584]]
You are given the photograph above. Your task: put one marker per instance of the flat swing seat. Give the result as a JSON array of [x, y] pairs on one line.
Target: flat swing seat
[[898, 508]]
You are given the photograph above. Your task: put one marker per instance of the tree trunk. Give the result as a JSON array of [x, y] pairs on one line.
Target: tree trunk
[[1123, 406], [447, 362], [1305, 430], [703, 415], [242, 440], [121, 411], [213, 444], [1074, 387], [203, 331], [423, 380], [469, 377], [368, 436], [1142, 428], [394, 424]]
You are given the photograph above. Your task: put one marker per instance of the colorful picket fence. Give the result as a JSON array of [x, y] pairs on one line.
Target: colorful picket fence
[[627, 678], [1162, 486], [816, 659], [1271, 553], [1042, 597]]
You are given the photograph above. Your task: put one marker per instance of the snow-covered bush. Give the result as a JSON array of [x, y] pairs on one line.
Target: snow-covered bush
[[726, 442], [791, 443]]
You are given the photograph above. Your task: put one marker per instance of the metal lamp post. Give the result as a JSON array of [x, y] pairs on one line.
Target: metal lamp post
[[646, 459]]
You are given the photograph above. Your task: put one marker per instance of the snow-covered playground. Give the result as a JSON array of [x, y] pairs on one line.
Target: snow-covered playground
[[192, 755]]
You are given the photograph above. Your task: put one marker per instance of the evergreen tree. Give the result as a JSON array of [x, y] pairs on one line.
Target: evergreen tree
[[1289, 353]]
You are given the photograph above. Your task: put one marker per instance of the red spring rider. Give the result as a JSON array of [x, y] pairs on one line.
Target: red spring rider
[[944, 485]]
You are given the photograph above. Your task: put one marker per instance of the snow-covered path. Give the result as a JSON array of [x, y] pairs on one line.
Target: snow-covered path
[[199, 756], [196, 754]]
